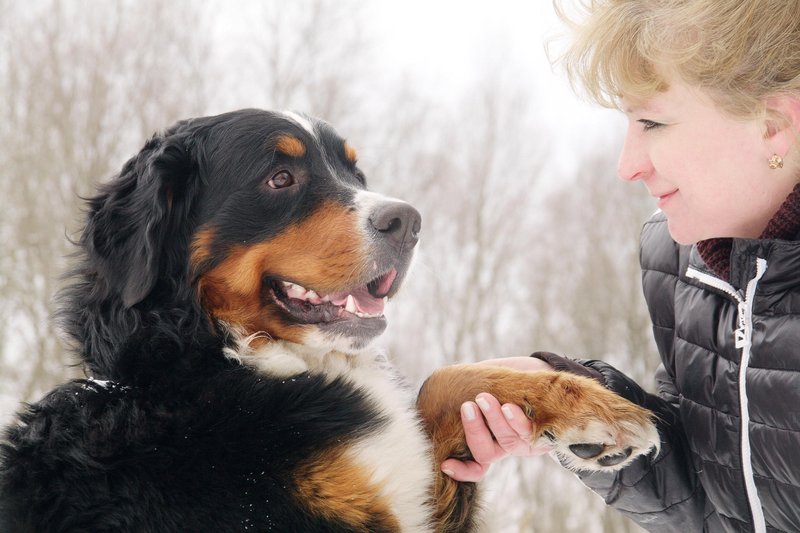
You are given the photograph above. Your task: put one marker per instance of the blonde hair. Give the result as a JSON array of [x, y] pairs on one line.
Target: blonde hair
[[740, 52]]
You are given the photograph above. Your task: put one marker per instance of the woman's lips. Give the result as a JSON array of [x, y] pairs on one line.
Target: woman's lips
[[664, 198]]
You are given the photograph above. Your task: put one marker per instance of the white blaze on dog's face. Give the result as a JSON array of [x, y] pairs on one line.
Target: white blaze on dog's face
[[292, 246]]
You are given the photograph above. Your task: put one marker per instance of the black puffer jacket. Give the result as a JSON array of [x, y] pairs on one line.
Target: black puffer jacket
[[731, 360]]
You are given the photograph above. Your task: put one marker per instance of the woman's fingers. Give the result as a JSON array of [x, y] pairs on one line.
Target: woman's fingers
[[480, 441], [464, 470], [481, 444], [492, 431], [512, 439]]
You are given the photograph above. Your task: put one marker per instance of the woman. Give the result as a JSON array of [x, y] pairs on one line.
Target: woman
[[711, 90]]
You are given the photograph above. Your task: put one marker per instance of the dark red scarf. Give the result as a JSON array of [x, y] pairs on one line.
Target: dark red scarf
[[785, 225]]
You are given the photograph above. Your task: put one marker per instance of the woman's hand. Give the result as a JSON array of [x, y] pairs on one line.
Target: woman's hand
[[495, 431]]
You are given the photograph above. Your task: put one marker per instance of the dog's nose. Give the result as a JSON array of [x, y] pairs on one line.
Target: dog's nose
[[397, 221]]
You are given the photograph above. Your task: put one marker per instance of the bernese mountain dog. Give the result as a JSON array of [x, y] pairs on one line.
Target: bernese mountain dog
[[229, 282]]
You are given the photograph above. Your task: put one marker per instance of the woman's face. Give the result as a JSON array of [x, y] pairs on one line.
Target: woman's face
[[708, 171]]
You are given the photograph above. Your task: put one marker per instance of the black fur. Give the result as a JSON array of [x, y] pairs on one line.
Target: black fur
[[182, 438], [213, 458]]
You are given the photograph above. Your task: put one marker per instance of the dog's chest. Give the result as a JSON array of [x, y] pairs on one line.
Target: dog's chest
[[397, 458]]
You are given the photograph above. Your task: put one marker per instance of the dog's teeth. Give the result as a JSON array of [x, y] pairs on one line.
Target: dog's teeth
[[350, 306], [295, 291], [313, 297]]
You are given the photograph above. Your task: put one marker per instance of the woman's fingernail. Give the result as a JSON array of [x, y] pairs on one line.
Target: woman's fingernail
[[482, 403], [448, 472], [468, 411], [507, 412]]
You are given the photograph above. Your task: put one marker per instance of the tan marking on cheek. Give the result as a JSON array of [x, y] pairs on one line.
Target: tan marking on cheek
[[324, 252], [350, 152], [335, 487], [290, 145], [246, 311], [200, 249], [241, 271]]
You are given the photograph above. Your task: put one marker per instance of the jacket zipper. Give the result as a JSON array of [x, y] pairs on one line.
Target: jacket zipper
[[743, 340]]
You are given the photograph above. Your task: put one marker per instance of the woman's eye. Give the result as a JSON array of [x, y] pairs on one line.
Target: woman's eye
[[649, 124], [280, 180]]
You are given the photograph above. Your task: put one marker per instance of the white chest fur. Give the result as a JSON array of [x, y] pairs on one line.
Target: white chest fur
[[399, 456]]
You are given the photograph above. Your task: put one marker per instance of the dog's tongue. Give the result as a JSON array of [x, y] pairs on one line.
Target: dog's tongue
[[385, 283], [365, 302]]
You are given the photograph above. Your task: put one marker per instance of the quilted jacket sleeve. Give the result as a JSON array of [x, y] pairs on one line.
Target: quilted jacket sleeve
[[661, 494]]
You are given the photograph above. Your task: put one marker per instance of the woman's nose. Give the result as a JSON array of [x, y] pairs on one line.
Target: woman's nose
[[634, 160]]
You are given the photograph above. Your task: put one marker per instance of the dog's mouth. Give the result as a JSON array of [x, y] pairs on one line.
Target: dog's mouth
[[307, 306]]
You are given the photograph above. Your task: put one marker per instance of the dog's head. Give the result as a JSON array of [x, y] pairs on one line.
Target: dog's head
[[264, 218]]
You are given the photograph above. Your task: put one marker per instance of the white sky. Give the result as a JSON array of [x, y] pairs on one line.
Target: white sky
[[442, 46], [446, 40], [447, 43]]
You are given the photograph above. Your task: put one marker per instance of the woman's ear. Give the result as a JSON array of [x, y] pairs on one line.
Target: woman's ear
[[782, 123]]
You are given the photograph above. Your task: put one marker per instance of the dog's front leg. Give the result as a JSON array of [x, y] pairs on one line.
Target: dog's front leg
[[590, 427]]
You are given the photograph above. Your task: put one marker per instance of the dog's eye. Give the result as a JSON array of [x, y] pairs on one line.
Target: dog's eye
[[361, 177], [280, 180]]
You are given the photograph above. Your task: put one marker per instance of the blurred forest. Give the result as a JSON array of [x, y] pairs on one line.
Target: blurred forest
[[514, 258]]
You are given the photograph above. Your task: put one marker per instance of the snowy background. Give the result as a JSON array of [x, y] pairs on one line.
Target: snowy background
[[529, 240]]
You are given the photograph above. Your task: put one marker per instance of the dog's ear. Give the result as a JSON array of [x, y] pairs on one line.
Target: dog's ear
[[135, 214]]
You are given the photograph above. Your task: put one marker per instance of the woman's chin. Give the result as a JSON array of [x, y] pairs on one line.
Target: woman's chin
[[685, 233]]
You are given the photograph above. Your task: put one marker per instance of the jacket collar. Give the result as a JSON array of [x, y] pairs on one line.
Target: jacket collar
[[784, 225]]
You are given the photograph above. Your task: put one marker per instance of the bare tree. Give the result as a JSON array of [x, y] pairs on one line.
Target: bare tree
[[473, 183], [83, 86], [593, 305], [306, 55]]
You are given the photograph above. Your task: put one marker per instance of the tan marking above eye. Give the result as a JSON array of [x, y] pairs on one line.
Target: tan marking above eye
[[290, 145], [350, 153]]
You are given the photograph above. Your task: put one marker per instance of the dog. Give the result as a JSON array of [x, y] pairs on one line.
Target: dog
[[230, 281]]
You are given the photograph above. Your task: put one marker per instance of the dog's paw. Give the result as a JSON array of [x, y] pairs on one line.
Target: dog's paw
[[600, 444]]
